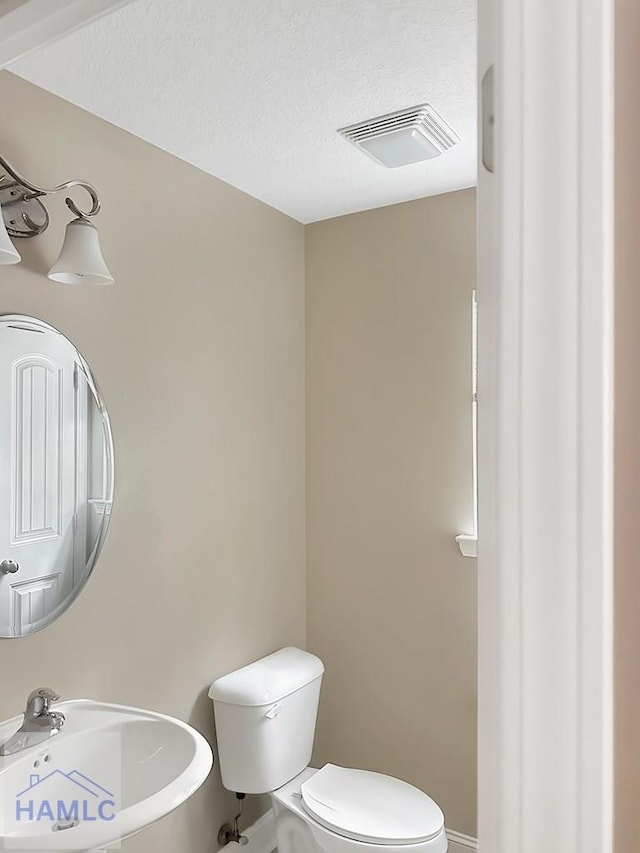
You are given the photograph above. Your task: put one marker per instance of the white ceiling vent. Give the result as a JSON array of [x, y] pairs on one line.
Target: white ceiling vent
[[407, 136]]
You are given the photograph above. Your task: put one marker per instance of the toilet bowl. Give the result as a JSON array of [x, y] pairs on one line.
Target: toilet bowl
[[265, 721]]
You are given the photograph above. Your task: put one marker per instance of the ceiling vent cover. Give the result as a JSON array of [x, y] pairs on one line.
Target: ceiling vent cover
[[404, 137]]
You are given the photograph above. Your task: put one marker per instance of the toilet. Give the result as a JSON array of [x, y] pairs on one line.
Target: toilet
[[265, 721]]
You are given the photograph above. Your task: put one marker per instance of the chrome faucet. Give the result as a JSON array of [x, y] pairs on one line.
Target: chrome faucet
[[39, 724]]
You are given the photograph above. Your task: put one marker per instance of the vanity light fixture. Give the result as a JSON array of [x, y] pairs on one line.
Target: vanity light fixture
[[24, 215]]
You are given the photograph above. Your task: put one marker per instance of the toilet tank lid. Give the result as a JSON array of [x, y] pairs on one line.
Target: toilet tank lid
[[267, 680]]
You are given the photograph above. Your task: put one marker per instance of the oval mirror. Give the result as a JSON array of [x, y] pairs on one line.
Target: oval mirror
[[56, 474]]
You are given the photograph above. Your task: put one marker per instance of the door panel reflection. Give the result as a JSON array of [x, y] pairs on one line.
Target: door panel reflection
[[56, 474]]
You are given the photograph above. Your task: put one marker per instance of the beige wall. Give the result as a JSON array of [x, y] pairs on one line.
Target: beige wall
[[199, 351], [627, 431], [391, 605]]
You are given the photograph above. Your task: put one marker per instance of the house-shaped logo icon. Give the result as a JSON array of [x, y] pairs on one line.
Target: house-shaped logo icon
[[66, 798]]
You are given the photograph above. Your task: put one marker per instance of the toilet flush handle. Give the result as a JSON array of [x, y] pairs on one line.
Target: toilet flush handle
[[273, 712]]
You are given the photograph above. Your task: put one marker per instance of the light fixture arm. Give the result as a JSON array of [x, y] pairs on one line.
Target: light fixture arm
[[23, 214], [34, 191], [23, 211]]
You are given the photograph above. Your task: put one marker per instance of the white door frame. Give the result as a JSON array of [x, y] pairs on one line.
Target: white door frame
[[28, 24], [545, 300]]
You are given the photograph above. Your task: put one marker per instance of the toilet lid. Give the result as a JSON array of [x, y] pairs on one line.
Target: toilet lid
[[371, 807]]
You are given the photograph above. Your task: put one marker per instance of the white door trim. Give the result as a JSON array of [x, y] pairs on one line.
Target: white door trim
[[545, 299], [33, 23]]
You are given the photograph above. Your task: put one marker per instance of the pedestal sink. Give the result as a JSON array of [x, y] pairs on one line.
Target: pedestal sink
[[110, 772]]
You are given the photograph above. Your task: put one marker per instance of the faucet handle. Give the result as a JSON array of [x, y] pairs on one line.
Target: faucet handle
[[57, 719], [40, 701]]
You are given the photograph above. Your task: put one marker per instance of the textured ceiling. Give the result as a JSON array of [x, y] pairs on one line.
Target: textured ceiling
[[252, 91]]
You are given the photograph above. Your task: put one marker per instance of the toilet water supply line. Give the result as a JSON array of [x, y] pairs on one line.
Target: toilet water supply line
[[229, 833]]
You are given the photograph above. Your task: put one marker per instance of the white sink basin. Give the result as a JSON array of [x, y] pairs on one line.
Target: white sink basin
[[110, 772]]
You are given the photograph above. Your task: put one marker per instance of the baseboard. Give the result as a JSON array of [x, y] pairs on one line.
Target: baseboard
[[262, 838], [459, 843]]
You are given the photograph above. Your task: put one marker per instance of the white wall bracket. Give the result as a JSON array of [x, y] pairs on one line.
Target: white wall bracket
[[468, 545]]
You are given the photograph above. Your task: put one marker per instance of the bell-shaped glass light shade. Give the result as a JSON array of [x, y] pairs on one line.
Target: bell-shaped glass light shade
[[8, 252], [80, 260]]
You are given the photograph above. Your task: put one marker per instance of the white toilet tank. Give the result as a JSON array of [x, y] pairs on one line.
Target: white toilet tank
[[266, 719]]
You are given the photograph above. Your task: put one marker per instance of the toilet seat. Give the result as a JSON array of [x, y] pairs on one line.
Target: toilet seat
[[370, 807]]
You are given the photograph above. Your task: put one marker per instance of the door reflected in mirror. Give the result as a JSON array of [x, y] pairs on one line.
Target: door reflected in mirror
[[56, 474]]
